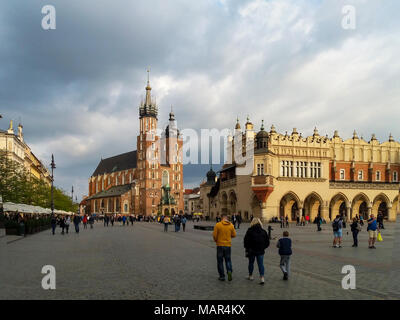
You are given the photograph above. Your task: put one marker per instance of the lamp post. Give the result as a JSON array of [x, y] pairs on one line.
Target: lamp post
[[72, 191], [53, 166]]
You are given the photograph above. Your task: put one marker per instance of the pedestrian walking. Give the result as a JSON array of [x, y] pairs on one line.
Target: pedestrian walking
[[112, 219], [67, 223], [77, 221], [337, 226], [285, 251], [53, 222], [223, 233], [361, 220], [287, 221], [282, 222], [184, 220], [319, 221], [256, 241], [131, 219], [91, 221], [355, 229], [123, 220], [85, 221], [373, 230], [297, 220], [238, 220], [379, 219], [62, 224], [166, 223], [270, 232]]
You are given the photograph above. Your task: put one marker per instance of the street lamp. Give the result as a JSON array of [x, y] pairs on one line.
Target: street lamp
[[72, 198], [53, 166]]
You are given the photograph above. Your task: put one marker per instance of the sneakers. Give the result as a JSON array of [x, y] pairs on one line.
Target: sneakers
[[262, 280], [221, 279], [251, 278], [229, 276]]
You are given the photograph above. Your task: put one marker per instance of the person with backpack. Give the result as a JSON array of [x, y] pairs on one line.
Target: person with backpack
[[337, 226], [355, 229], [256, 241], [285, 251]]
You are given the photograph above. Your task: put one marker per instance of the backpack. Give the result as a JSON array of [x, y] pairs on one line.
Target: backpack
[[335, 225]]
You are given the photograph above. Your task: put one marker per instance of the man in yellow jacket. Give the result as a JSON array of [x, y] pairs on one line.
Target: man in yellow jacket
[[223, 233]]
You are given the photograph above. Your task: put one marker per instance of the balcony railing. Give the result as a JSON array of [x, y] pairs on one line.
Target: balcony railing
[[228, 183], [265, 180]]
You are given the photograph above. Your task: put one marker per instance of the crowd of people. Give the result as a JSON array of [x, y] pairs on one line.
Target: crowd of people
[[374, 225]]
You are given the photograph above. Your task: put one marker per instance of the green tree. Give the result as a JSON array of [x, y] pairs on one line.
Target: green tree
[[17, 185]]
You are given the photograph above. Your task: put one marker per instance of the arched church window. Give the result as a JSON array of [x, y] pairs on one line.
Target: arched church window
[[165, 178]]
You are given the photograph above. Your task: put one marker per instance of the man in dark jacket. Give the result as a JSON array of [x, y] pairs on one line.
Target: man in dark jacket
[[53, 222], [285, 251], [256, 241], [77, 221]]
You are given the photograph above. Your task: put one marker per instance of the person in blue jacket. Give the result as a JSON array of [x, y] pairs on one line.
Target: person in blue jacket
[[285, 251]]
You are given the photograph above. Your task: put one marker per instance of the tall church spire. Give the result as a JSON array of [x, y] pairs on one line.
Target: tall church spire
[[148, 89]]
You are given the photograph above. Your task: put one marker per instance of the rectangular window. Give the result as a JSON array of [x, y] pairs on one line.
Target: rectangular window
[[395, 176], [342, 174], [360, 175], [378, 176]]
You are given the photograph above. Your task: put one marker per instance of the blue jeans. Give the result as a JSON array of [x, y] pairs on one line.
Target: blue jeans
[[53, 228], [224, 253], [260, 263], [77, 227]]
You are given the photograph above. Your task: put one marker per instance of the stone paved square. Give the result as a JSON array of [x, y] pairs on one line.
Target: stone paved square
[[143, 262]]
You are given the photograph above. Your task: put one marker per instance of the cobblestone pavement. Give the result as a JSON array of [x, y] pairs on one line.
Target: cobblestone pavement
[[143, 262]]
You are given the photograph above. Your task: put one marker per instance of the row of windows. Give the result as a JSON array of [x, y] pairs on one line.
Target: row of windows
[[360, 175], [301, 169]]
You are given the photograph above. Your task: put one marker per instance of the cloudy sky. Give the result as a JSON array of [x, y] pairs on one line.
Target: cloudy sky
[[76, 89]]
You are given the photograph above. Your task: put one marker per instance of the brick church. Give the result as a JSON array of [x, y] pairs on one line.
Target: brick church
[[146, 181]]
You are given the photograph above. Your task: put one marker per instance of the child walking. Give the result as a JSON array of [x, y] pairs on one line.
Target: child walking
[[285, 251]]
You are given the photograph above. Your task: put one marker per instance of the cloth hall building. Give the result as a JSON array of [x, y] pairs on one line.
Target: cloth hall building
[[146, 181], [299, 176]]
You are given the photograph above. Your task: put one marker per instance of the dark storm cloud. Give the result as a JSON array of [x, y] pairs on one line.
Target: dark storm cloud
[[76, 89]]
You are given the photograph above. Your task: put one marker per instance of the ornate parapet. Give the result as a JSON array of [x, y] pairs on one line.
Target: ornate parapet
[[228, 183], [363, 185], [295, 179]]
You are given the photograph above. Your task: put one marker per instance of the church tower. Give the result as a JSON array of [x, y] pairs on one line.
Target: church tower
[[148, 161]]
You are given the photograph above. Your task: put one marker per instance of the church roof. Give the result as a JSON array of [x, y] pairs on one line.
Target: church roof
[[112, 192], [120, 162]]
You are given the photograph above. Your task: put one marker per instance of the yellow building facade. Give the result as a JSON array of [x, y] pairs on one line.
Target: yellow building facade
[[297, 176], [16, 149]]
